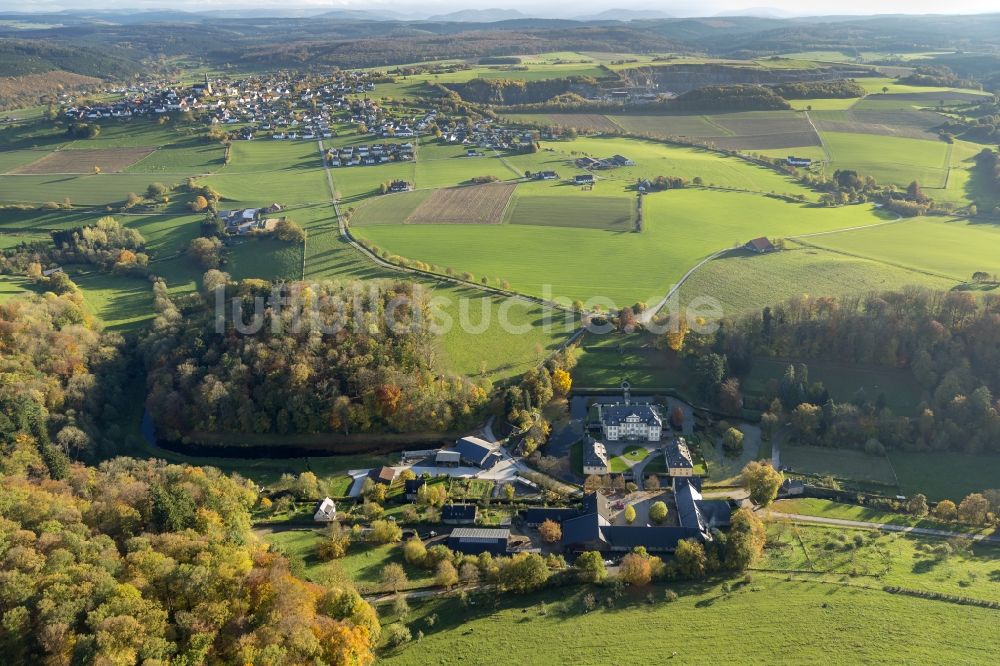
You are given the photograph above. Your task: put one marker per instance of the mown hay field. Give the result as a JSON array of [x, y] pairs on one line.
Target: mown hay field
[[475, 204]]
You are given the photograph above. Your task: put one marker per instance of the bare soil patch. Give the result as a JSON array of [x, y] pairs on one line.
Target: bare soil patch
[[109, 160], [474, 204]]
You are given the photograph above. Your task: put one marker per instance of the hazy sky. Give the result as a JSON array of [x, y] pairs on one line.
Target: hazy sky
[[551, 8]]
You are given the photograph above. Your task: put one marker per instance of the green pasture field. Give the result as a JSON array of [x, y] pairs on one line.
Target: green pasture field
[[504, 338], [838, 463], [945, 474], [743, 282], [750, 623], [614, 213], [604, 360], [435, 173], [13, 239], [680, 227], [388, 208], [189, 158], [11, 159], [122, 303], [269, 155], [261, 188], [871, 559], [266, 258], [14, 286], [828, 509], [896, 160], [41, 221], [950, 248], [966, 183], [360, 568], [876, 84], [166, 235], [355, 183], [86, 190], [902, 395]]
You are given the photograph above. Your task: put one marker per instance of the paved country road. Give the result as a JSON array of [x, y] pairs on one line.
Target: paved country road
[[885, 527]]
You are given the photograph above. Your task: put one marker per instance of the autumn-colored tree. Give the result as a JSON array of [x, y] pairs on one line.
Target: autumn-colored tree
[[635, 569], [745, 541], [446, 574], [590, 567], [973, 509], [762, 480], [387, 397], [393, 577], [335, 542], [691, 559], [550, 531], [561, 382], [946, 510]]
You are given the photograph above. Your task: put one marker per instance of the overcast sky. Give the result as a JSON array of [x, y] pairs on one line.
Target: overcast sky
[[552, 8]]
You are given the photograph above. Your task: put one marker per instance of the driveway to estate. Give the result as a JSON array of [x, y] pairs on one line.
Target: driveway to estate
[[885, 527]]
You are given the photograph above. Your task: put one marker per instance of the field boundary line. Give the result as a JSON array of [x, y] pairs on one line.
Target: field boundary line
[[725, 130], [880, 261], [822, 143]]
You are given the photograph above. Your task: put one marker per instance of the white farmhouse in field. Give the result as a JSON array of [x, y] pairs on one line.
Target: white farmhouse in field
[[326, 511]]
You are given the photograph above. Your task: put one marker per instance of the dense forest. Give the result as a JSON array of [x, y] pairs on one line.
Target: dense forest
[[515, 92], [950, 342], [61, 385], [143, 562], [841, 88], [133, 561], [344, 357], [729, 98]]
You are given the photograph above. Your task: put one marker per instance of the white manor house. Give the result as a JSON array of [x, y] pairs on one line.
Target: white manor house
[[627, 421]]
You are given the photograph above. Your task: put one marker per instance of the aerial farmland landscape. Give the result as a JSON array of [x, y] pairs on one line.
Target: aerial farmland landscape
[[335, 333]]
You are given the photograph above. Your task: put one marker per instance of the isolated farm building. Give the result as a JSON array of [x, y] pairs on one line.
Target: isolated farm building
[[678, 458], [791, 488], [595, 457], [791, 160], [412, 486], [620, 161], [583, 179], [383, 475], [400, 186], [630, 422], [459, 514], [475, 540], [476, 451], [546, 175], [326, 511], [760, 245]]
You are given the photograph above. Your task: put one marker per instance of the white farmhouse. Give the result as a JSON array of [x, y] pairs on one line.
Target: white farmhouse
[[326, 511]]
